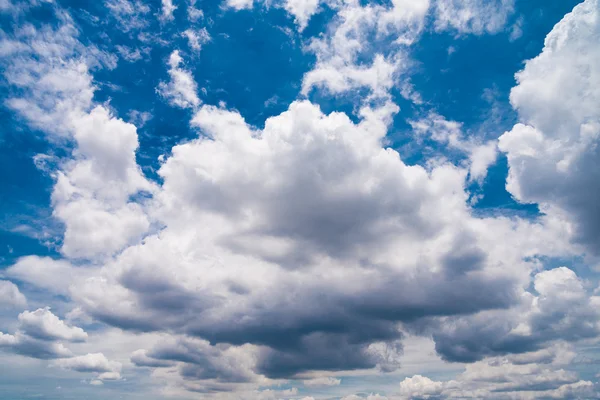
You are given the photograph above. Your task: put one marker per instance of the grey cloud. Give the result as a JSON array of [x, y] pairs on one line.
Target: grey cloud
[[562, 310], [501, 378]]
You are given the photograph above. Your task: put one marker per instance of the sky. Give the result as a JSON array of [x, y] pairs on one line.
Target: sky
[[300, 199]]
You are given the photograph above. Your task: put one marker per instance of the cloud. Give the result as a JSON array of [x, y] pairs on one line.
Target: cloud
[[302, 10], [197, 38], [504, 377], [92, 362], [40, 334], [56, 276], [52, 70], [472, 16], [553, 150], [194, 13], [130, 15], [181, 90], [240, 4], [42, 324], [449, 133], [31, 347], [11, 296], [354, 35], [563, 309], [322, 381], [167, 10], [304, 247], [308, 199]]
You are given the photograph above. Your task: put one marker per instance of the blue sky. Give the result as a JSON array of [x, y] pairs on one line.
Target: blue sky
[[299, 199]]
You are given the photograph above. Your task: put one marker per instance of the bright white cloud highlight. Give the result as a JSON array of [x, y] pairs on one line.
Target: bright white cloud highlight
[[181, 90]]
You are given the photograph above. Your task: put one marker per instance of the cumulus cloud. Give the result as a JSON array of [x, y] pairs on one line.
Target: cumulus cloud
[[92, 362], [562, 309], [181, 90], [303, 202], [11, 296], [40, 334], [43, 324], [91, 194], [553, 150], [307, 246]]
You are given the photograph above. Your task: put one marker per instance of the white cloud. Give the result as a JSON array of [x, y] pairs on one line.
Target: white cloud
[[42, 324], [351, 36], [472, 16], [322, 381], [302, 10], [197, 38], [240, 4], [306, 200], [56, 276], [481, 155], [92, 190], [40, 334], [167, 10], [92, 362], [181, 90], [194, 13], [11, 296], [553, 151]]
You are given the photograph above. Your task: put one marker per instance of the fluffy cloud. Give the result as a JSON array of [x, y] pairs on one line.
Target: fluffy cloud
[[92, 362], [307, 245], [11, 296], [197, 38], [301, 203], [40, 334], [374, 33], [553, 151], [181, 90], [91, 195], [472, 16], [42, 324], [167, 10]]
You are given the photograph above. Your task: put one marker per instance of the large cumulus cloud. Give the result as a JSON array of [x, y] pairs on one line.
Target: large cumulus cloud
[[553, 150], [311, 241], [267, 253]]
